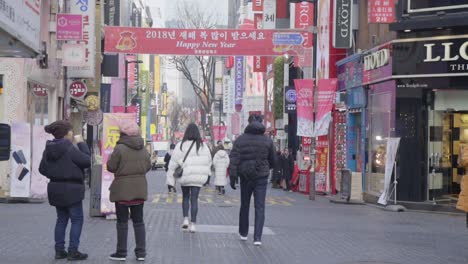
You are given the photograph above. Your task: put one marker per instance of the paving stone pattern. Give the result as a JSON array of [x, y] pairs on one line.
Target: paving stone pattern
[[299, 231]]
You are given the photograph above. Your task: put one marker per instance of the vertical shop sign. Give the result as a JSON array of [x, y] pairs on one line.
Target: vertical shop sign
[[305, 107], [290, 99], [257, 5], [342, 26], [259, 64], [321, 168], [239, 64], [69, 27], [269, 14], [87, 9], [20, 180], [111, 135], [381, 11], [144, 75]]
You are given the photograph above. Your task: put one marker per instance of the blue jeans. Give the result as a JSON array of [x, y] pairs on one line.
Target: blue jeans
[[75, 214], [258, 188]]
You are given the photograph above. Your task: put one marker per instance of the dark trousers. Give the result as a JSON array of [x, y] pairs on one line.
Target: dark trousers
[[136, 214], [258, 188], [190, 200], [171, 188], [75, 214]]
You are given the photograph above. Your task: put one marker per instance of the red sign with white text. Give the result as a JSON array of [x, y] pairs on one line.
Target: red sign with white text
[[260, 64], [304, 15], [201, 42], [39, 90], [78, 89], [257, 5], [258, 21], [381, 11]]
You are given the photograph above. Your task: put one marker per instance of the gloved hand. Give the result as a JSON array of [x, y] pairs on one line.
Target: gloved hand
[[233, 183]]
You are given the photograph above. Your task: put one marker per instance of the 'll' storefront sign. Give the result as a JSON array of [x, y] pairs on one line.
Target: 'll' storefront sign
[[441, 57]]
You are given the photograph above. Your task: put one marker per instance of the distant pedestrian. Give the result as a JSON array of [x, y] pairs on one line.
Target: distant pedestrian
[[221, 163], [196, 168], [288, 169], [63, 163], [154, 160], [167, 159], [277, 171], [129, 162], [252, 157]]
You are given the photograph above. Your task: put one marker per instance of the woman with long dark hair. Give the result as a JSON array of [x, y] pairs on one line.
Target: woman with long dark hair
[[196, 168]]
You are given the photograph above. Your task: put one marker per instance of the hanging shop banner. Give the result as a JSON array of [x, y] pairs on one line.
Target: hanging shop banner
[[144, 93], [22, 20], [209, 42], [87, 9], [111, 135], [290, 99], [302, 17], [20, 180], [39, 90], [259, 64], [305, 107], [390, 155], [69, 27], [228, 95], [321, 164], [112, 13], [269, 14], [73, 54], [38, 181], [306, 142], [240, 82], [325, 99], [257, 5], [219, 132], [378, 64], [342, 26], [78, 89], [258, 21], [381, 12]]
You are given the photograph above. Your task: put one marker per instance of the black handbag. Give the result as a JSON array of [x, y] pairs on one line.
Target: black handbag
[[178, 172]]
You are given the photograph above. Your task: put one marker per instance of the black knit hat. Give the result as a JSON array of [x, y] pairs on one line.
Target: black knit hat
[[59, 129]]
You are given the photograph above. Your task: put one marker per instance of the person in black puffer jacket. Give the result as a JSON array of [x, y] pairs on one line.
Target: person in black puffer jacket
[[63, 163], [251, 158]]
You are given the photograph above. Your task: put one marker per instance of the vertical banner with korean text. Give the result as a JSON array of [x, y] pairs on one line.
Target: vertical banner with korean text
[[20, 175], [87, 9], [38, 181], [305, 107], [381, 11], [325, 99], [111, 135]]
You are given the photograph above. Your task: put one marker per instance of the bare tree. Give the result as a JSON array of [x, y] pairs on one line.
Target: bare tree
[[198, 70]]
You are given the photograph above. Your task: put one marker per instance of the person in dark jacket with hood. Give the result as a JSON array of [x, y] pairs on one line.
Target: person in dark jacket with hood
[[287, 163], [129, 162], [63, 163], [251, 158], [277, 171]]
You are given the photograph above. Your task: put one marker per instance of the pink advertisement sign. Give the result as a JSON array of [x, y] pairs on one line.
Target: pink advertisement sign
[[325, 99], [305, 107], [38, 181], [219, 132], [69, 27], [111, 135]]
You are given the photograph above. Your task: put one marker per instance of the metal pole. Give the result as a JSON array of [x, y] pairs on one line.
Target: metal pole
[[314, 74], [126, 85]]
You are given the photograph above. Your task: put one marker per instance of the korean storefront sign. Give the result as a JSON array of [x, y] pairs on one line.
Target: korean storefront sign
[[78, 89], [111, 135], [85, 8], [214, 42], [269, 14], [39, 90], [69, 27], [342, 26], [290, 99], [305, 107], [381, 11], [239, 81], [22, 19]]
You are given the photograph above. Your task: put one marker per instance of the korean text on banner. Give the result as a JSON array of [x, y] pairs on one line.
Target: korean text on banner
[[382, 12], [305, 107], [111, 135], [88, 11], [269, 14], [326, 97], [392, 149], [20, 160], [38, 181]]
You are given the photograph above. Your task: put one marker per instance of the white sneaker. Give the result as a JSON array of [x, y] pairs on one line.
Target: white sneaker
[[192, 228], [140, 259], [243, 238], [185, 224], [257, 243]]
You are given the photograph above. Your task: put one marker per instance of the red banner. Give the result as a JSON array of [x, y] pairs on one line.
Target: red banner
[[219, 133], [258, 21], [260, 64], [39, 90], [78, 89], [304, 15], [305, 107], [201, 42], [381, 11], [306, 143], [257, 5], [131, 71], [326, 96]]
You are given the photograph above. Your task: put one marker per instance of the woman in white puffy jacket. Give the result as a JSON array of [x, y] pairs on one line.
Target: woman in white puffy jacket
[[221, 163], [196, 169]]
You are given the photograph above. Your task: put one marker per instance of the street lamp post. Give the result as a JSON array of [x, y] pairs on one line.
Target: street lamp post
[[126, 81]]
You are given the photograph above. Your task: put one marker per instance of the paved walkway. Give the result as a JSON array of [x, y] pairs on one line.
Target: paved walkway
[[298, 231]]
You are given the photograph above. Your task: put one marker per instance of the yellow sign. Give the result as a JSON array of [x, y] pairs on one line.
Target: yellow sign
[[113, 136]]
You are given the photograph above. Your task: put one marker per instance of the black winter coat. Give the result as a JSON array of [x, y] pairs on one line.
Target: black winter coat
[[63, 164], [167, 159], [253, 154], [287, 163], [278, 169]]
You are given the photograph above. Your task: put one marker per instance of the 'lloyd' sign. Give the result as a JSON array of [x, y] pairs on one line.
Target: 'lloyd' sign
[[431, 57], [376, 59], [342, 28]]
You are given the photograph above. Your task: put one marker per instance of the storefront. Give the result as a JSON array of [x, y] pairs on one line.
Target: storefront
[[418, 89]]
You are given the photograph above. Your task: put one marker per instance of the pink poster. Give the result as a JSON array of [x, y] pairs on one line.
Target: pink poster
[[111, 135], [219, 132], [38, 181], [305, 107], [69, 27], [325, 99]]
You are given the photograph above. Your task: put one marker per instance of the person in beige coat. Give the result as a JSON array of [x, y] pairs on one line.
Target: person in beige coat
[[129, 162]]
